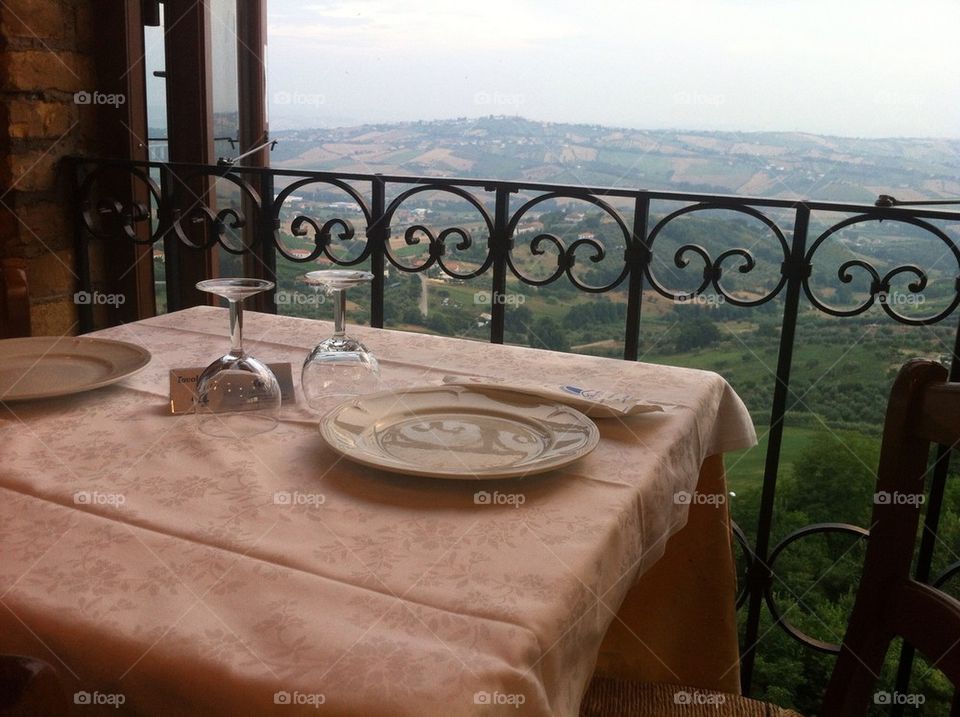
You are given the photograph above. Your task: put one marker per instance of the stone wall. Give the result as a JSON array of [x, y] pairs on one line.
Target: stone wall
[[46, 56]]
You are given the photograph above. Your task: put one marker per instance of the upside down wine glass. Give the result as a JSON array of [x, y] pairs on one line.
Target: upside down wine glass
[[237, 395], [339, 367]]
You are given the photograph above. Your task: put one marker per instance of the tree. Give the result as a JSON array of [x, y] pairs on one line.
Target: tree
[[547, 334], [833, 480], [695, 333]]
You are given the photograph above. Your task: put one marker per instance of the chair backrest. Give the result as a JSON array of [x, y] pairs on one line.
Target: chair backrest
[[14, 299], [923, 409]]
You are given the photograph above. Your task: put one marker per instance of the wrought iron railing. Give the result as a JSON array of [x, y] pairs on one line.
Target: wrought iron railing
[[170, 209]]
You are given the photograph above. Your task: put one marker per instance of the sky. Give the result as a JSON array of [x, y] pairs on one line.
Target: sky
[[838, 67]]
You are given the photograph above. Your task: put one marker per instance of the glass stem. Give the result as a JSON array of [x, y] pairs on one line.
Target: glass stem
[[339, 312], [236, 327]]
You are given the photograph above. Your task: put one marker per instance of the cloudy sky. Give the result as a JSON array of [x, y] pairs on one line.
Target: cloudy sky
[[842, 67]]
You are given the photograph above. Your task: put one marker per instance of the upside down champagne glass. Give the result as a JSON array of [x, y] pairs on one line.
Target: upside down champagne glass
[[237, 395], [339, 367]]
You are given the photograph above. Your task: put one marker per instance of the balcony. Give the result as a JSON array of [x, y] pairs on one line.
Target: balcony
[[805, 307], [788, 288]]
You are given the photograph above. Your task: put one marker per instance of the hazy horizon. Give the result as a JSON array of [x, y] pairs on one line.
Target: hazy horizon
[[858, 69], [692, 130]]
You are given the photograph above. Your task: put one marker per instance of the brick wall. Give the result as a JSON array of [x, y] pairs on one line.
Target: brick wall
[[46, 55]]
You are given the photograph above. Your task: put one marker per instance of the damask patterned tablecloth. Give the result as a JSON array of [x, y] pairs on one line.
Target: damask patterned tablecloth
[[180, 574]]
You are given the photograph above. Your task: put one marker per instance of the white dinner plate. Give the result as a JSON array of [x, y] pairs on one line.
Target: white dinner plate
[[48, 366], [459, 432]]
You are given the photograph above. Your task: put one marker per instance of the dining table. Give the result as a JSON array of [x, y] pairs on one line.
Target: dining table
[[163, 571]]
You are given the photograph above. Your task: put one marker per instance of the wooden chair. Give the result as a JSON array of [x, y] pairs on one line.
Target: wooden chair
[[14, 299], [923, 409], [29, 688]]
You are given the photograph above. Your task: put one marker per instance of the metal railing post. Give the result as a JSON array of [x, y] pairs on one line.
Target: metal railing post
[[796, 269], [378, 234], [500, 246], [637, 258], [268, 247]]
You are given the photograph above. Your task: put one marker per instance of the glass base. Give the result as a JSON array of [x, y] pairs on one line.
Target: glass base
[[237, 396], [337, 370]]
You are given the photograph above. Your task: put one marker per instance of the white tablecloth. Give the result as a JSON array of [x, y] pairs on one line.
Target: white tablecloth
[[149, 561]]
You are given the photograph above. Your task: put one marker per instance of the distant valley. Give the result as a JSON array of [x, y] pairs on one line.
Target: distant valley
[[769, 164]]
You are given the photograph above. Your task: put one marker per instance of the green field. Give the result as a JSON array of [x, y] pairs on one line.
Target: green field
[[745, 468]]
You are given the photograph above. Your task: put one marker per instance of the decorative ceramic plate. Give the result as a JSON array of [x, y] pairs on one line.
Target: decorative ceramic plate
[[459, 432], [48, 366]]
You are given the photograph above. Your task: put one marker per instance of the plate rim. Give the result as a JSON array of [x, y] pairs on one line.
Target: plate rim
[[143, 359], [591, 443]]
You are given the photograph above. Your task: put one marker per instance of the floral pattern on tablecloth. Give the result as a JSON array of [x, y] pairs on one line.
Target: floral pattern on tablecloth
[[167, 566]]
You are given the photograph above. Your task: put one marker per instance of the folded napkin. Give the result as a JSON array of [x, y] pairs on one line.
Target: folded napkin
[[592, 402]]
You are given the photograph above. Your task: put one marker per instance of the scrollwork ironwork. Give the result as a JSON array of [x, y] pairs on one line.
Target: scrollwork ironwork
[[217, 223], [879, 288], [437, 243], [190, 207], [713, 268], [322, 233], [123, 217], [567, 255], [778, 615]]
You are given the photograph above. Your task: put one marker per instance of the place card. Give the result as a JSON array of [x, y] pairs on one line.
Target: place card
[[183, 382]]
